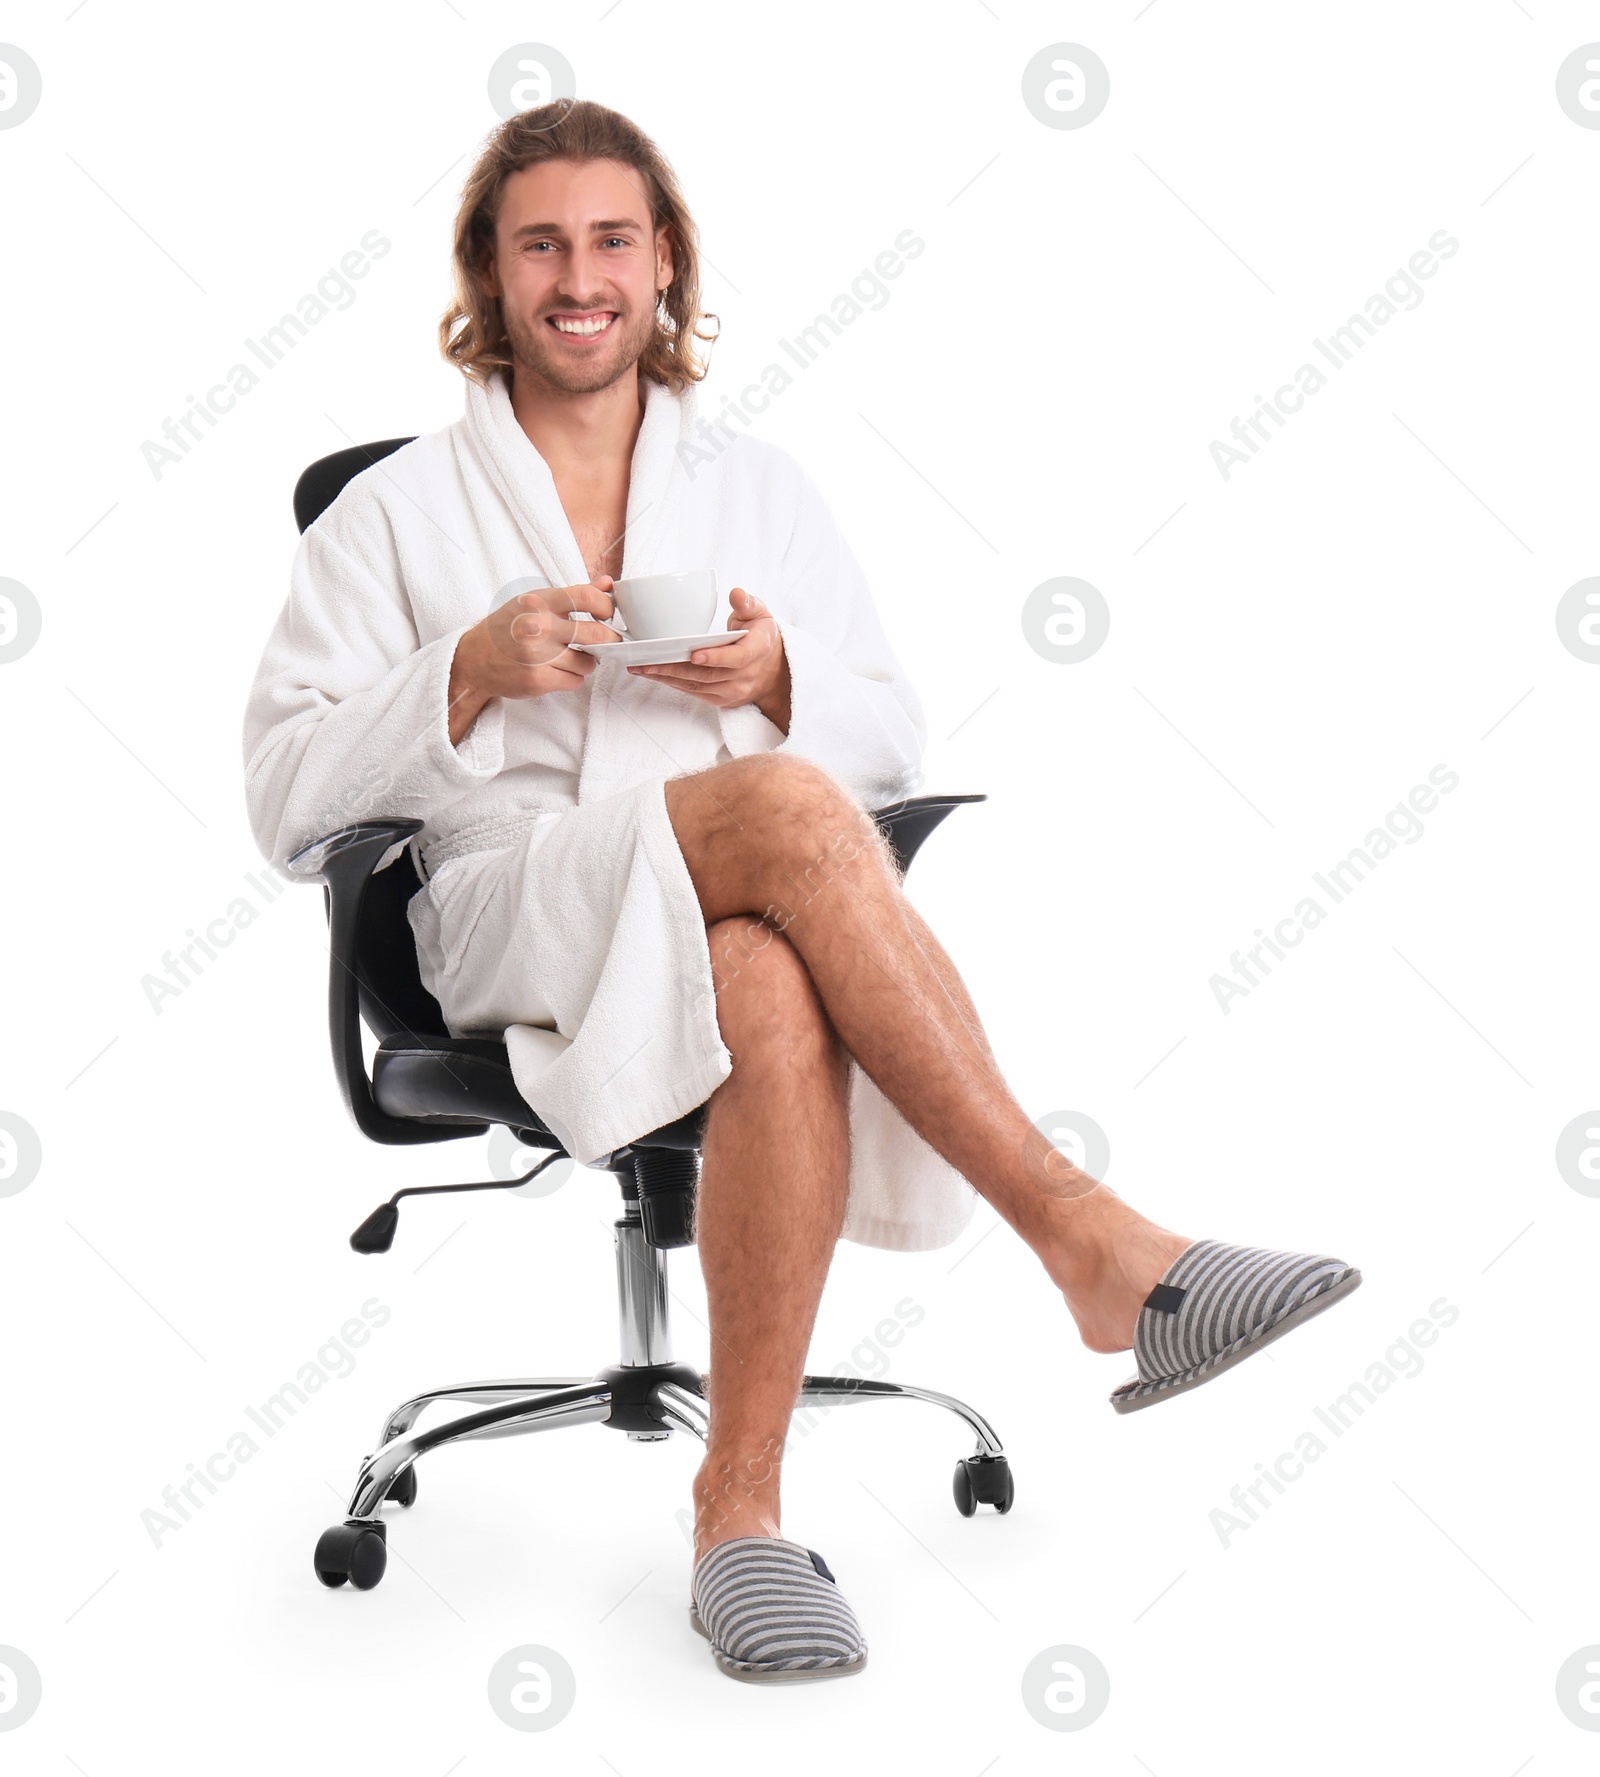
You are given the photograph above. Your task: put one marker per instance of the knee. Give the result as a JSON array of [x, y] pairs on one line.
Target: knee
[[802, 813], [786, 780], [764, 989]]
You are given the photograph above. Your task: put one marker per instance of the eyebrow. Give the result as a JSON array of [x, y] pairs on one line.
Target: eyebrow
[[609, 227]]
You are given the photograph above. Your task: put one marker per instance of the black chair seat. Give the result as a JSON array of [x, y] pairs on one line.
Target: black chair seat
[[468, 1080]]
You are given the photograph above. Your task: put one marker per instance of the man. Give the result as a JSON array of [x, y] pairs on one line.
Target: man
[[616, 866]]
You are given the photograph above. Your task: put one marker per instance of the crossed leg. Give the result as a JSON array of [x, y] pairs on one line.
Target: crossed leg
[[774, 844]]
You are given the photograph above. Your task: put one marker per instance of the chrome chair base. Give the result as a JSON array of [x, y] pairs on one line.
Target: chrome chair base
[[647, 1395]]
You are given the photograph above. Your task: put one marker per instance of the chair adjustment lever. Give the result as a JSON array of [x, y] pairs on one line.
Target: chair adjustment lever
[[376, 1233]]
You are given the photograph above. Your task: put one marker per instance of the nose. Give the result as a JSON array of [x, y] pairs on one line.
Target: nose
[[585, 282]]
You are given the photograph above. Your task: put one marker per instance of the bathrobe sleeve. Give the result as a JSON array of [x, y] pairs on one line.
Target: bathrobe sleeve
[[347, 718], [852, 709]]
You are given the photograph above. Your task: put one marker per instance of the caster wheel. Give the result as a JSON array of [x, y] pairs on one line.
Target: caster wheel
[[983, 1480], [403, 1488], [352, 1551]]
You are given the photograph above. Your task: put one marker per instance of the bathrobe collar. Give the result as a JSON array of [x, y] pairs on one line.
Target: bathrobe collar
[[631, 725], [523, 477]]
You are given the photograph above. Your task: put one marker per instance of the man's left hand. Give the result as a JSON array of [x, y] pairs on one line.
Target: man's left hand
[[751, 670]]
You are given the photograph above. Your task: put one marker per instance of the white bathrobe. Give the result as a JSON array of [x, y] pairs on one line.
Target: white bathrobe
[[557, 910]]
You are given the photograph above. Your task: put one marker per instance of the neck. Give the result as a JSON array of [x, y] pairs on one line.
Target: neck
[[579, 434]]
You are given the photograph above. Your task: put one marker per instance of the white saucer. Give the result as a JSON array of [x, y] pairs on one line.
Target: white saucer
[[660, 652]]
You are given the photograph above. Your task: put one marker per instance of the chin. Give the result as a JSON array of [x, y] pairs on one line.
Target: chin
[[570, 378], [588, 382]]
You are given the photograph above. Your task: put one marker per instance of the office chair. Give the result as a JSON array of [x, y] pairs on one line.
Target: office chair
[[428, 1086]]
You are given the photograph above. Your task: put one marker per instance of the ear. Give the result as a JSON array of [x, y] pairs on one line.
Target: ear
[[665, 271]]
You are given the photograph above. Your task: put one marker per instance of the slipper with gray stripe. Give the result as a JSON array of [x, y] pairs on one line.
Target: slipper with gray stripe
[[1216, 1306], [772, 1611]]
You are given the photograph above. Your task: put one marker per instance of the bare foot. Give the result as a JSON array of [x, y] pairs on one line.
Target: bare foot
[[1105, 1258], [734, 1496]]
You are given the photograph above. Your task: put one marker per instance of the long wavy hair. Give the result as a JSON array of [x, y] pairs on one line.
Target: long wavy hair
[[472, 332]]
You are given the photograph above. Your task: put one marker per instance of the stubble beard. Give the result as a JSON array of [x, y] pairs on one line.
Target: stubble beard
[[535, 354]]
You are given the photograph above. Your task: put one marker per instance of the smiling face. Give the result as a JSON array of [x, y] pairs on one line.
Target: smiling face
[[577, 268]]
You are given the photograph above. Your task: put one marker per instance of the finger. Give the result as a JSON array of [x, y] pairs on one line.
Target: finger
[[541, 638], [730, 656], [586, 597], [690, 687], [699, 675], [684, 677], [537, 628], [567, 630]]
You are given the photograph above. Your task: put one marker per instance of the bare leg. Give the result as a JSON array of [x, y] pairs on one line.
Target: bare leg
[[775, 1178], [777, 836]]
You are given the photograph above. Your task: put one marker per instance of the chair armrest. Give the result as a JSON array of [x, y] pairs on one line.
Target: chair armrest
[[906, 824], [344, 862], [349, 856]]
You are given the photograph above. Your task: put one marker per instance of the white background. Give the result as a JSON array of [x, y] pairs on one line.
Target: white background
[[1372, 595]]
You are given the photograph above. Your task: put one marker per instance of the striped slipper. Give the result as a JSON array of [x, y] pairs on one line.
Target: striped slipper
[[1218, 1304], [772, 1611]]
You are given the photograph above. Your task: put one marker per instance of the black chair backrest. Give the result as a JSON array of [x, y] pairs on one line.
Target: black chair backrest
[[389, 982], [325, 480]]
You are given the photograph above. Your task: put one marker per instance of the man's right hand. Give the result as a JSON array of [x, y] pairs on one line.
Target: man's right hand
[[523, 649]]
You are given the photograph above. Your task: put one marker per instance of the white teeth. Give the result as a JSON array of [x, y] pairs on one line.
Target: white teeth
[[596, 326]]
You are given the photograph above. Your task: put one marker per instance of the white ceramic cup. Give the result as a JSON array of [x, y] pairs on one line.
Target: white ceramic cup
[[656, 607]]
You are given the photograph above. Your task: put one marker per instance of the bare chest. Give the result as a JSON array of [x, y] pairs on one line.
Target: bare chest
[[598, 515]]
